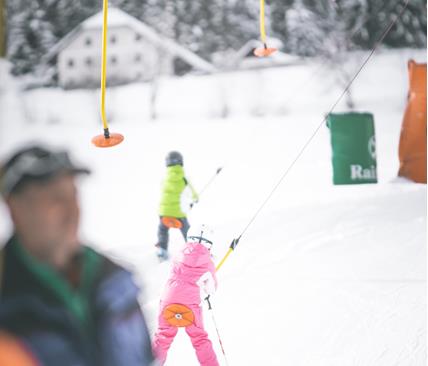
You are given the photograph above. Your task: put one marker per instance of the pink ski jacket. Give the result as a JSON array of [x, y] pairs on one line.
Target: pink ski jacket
[[192, 268]]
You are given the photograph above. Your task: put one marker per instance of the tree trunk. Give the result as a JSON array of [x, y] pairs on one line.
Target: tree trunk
[[2, 29]]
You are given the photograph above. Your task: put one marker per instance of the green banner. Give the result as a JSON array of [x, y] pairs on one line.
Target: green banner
[[353, 144]]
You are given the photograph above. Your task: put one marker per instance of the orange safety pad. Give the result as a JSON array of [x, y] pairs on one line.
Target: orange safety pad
[[113, 140], [178, 315], [264, 52], [13, 353], [413, 139]]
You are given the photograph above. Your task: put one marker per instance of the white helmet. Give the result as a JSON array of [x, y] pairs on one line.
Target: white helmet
[[202, 234]]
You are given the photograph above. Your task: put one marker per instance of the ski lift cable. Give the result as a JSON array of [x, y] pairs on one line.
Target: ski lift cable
[[235, 241], [293, 95], [296, 92]]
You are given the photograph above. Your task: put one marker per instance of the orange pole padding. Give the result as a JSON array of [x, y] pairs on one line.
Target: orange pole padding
[[413, 139]]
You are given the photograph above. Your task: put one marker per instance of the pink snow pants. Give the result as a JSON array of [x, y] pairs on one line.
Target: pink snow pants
[[165, 335]]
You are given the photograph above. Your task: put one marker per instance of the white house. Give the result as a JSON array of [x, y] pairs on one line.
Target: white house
[[134, 52]]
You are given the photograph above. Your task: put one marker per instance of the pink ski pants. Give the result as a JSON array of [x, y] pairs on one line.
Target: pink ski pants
[[165, 335]]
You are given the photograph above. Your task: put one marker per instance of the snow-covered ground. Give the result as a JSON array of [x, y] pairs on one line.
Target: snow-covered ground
[[326, 275]]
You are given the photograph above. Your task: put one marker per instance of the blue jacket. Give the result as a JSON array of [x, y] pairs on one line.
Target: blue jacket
[[96, 321]]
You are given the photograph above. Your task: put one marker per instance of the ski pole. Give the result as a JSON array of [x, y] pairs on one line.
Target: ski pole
[[211, 180], [207, 184], [216, 328]]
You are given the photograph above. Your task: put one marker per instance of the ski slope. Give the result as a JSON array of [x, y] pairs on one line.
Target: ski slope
[[325, 275]]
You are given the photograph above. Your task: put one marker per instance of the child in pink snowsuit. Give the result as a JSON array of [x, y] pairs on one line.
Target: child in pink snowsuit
[[192, 271]]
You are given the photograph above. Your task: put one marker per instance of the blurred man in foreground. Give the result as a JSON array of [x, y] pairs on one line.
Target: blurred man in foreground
[[63, 302]]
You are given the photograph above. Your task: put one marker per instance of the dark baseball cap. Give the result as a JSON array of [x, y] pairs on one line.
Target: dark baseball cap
[[35, 163]]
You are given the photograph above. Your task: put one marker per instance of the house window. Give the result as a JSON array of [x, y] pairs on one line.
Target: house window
[[113, 39], [88, 61], [88, 41], [138, 37], [113, 60], [70, 63], [137, 57]]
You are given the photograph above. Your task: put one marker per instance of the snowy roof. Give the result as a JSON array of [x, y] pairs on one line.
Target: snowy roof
[[118, 18]]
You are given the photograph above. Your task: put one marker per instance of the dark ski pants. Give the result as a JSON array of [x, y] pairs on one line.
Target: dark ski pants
[[163, 232]]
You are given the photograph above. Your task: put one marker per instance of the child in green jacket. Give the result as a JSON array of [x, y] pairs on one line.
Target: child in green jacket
[[170, 211]]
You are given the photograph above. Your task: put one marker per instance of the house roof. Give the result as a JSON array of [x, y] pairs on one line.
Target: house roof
[[118, 18]]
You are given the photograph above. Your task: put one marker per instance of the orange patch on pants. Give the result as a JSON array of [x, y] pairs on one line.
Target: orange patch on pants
[[171, 222], [178, 315]]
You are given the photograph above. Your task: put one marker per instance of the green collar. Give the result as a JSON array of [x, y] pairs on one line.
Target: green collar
[[76, 300]]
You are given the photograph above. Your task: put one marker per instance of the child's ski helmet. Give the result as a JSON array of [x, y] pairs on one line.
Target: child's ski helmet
[[174, 158], [202, 234]]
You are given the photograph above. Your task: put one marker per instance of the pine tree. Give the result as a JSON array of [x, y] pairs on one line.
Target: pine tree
[[409, 31], [30, 35], [132, 7], [278, 13], [243, 22], [306, 27], [37, 25], [316, 26]]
